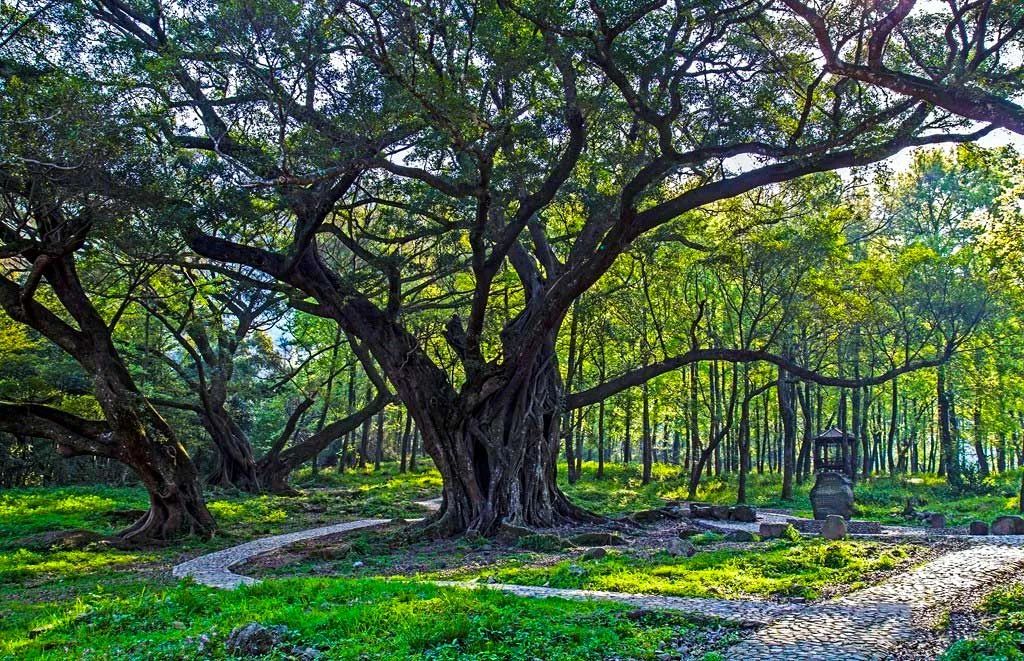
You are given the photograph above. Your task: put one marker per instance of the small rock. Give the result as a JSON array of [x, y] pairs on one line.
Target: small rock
[[651, 516], [594, 553], [597, 539], [978, 528], [358, 563], [254, 639], [178, 625], [740, 536], [544, 543], [305, 653], [687, 530], [1008, 525], [772, 530], [702, 511], [743, 513], [936, 520], [511, 532], [681, 547], [834, 527]]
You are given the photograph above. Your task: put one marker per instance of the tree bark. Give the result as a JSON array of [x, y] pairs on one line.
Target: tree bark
[[139, 437], [787, 411], [498, 455]]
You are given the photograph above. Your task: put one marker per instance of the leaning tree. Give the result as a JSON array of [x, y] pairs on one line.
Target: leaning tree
[[70, 180], [490, 162]]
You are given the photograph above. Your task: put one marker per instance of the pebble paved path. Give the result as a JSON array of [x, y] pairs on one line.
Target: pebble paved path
[[214, 569], [876, 622]]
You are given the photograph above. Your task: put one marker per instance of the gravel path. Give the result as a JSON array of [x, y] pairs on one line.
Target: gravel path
[[875, 623], [214, 569]]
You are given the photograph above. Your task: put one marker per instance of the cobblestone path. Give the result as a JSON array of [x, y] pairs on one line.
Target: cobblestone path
[[875, 622], [214, 569]]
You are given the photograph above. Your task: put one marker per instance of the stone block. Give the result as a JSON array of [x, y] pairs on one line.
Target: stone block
[[772, 530], [834, 527], [743, 513], [1008, 525]]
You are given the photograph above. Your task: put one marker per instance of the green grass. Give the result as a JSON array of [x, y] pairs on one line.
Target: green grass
[[1005, 638], [777, 568], [879, 498], [102, 602], [344, 619]]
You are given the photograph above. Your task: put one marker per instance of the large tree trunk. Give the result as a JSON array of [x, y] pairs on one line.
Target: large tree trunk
[[150, 448], [235, 465], [137, 436], [278, 464], [498, 456]]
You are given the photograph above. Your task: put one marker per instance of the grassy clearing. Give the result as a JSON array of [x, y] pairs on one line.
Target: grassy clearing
[[776, 568], [878, 499], [101, 602], [1004, 639], [347, 619]]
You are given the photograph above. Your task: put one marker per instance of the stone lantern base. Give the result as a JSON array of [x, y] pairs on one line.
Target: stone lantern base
[[832, 494]]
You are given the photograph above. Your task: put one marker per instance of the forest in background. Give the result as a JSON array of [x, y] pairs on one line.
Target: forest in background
[[241, 237], [844, 274]]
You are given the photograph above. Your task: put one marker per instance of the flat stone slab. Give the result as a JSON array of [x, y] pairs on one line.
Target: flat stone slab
[[876, 622], [748, 612]]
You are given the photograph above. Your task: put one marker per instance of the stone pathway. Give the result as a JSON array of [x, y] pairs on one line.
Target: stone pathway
[[876, 622], [214, 569], [751, 613]]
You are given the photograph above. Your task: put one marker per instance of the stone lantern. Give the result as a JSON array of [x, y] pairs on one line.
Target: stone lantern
[[833, 490]]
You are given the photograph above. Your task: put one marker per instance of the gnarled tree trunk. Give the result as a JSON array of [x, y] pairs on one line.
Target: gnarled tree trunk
[[498, 456], [235, 465]]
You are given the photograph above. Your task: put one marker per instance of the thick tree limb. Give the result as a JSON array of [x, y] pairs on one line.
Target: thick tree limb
[[639, 376], [74, 435]]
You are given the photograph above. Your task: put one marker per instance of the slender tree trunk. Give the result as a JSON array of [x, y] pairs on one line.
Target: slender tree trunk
[[627, 438], [406, 433], [979, 443], [744, 442], [600, 440], [950, 457], [787, 412], [647, 449], [412, 449], [378, 454]]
